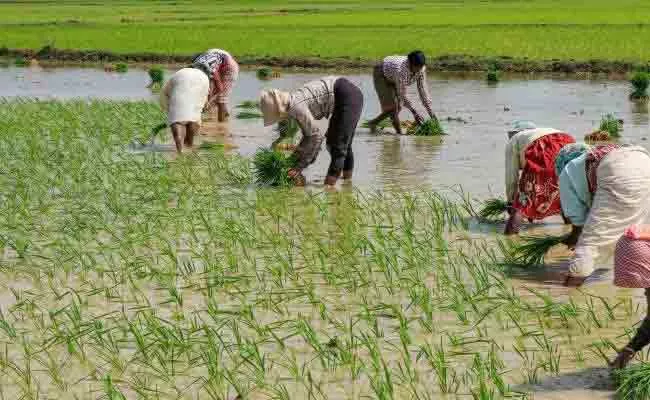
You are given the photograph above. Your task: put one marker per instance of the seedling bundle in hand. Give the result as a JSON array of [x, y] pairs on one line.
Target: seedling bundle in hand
[[532, 250], [272, 167], [493, 209], [430, 127], [612, 125], [157, 76]]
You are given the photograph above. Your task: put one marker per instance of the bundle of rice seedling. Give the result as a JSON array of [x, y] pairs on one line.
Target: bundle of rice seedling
[[157, 76], [287, 127], [611, 125], [264, 73], [249, 115], [597, 136], [250, 104], [271, 168], [492, 75], [633, 382], [640, 82], [121, 67], [532, 250], [493, 208], [430, 127], [388, 124]]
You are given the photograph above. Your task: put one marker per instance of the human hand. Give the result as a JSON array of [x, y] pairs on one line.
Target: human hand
[[330, 180]]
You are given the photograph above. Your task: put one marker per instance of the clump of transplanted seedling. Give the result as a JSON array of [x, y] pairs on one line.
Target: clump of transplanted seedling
[[430, 127], [21, 62], [640, 82], [492, 75], [249, 115], [266, 73], [532, 250], [121, 67], [493, 209], [249, 104], [633, 382], [388, 124], [272, 167], [612, 125], [157, 77]]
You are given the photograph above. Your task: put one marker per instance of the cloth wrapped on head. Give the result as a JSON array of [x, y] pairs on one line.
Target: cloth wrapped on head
[[567, 154], [519, 126]]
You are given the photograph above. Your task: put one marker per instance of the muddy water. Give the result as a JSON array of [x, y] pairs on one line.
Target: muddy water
[[470, 157]]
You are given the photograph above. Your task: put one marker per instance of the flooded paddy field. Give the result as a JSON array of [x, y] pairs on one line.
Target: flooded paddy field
[[128, 272]]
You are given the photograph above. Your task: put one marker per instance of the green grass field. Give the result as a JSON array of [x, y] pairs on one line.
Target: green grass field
[[539, 30]]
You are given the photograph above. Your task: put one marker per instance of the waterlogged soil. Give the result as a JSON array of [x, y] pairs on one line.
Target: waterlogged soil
[[470, 158]]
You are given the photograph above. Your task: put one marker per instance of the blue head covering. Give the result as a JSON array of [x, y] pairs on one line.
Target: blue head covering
[[567, 154], [519, 126]]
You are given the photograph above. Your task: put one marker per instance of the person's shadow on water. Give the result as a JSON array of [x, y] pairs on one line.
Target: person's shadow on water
[[591, 383]]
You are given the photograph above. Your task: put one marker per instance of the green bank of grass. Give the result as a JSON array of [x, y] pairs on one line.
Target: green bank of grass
[[538, 30]]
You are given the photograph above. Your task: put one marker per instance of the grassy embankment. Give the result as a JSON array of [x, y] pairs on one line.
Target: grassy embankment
[[343, 32]]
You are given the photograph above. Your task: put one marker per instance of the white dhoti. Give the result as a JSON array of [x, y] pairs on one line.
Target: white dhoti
[[184, 96], [622, 199]]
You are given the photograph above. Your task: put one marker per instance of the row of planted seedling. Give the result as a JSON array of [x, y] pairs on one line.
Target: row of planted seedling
[[130, 275]]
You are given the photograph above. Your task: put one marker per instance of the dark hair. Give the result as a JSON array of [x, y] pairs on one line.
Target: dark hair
[[417, 59]]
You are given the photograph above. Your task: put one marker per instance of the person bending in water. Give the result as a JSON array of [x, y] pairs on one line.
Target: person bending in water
[[183, 98], [533, 194], [392, 77], [330, 97], [603, 191], [223, 70]]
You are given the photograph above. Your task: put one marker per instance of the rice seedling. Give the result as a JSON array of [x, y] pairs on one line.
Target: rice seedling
[[249, 104], [532, 250], [492, 75], [640, 82], [157, 77], [271, 168], [493, 208], [249, 115], [430, 127], [264, 73], [121, 67], [611, 125], [21, 62], [633, 382], [388, 124]]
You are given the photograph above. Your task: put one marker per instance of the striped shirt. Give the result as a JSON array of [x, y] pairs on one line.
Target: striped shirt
[[223, 71], [396, 71], [313, 101]]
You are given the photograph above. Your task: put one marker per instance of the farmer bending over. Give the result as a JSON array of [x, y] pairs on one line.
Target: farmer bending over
[[183, 98], [330, 97], [223, 70], [392, 78]]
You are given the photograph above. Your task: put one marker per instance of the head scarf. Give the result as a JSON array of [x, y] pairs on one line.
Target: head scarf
[[567, 154], [274, 105], [519, 126]]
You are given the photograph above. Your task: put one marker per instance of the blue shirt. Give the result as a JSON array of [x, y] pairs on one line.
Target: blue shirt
[[574, 191]]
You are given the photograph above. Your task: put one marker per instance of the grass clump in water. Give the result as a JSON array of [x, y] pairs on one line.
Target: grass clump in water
[[121, 67], [633, 382], [249, 115], [265, 73], [272, 167], [640, 82], [21, 62], [612, 125], [430, 127], [492, 209], [492, 75], [249, 104], [157, 76]]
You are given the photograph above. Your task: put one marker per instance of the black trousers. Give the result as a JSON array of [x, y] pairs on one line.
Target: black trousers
[[348, 104]]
